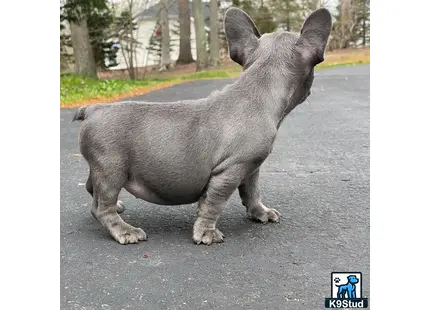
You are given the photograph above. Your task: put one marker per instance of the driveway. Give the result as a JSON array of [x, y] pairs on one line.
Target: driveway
[[317, 176]]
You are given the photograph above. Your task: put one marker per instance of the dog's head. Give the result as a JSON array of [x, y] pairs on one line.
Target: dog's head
[[280, 55], [352, 279]]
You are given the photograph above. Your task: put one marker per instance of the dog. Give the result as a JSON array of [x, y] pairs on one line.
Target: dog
[[202, 150], [348, 288]]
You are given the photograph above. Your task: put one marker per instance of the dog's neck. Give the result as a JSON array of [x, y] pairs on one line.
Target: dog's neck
[[268, 89]]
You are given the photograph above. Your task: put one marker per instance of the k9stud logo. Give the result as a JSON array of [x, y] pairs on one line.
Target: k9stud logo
[[346, 291]]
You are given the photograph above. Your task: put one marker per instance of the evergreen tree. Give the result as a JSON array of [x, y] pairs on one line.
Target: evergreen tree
[[263, 19], [76, 12], [261, 12], [288, 14], [351, 27], [125, 27], [154, 46], [362, 29], [99, 24]]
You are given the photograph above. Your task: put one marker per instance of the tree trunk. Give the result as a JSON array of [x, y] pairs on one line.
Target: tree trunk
[[364, 32], [199, 25], [185, 56], [364, 23], [85, 63], [214, 43], [165, 36], [345, 22], [131, 69]]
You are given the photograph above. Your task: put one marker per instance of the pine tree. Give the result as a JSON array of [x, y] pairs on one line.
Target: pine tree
[[352, 24], [76, 12], [99, 24], [288, 14], [261, 12], [154, 46], [362, 29], [125, 27], [264, 20]]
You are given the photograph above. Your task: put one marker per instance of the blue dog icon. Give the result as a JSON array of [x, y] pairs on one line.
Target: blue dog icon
[[347, 288]]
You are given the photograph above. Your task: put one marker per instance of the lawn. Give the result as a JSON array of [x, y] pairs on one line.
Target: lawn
[[76, 91]]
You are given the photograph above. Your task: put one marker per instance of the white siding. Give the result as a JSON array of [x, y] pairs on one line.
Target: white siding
[[143, 35]]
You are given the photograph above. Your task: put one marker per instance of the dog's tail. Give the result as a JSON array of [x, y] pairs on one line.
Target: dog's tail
[[80, 114]]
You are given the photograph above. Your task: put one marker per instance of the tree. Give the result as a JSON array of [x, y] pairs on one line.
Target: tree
[[185, 56], [199, 25], [363, 25], [154, 47], [214, 37], [66, 58], [264, 19], [351, 26], [165, 36], [346, 23], [100, 23], [84, 57], [287, 14], [262, 12], [246, 5], [126, 27], [76, 13], [309, 6]]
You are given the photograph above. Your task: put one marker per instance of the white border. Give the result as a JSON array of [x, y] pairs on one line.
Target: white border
[[399, 155], [30, 148], [400, 135]]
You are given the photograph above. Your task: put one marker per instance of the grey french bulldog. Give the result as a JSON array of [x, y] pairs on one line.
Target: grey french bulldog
[[202, 150]]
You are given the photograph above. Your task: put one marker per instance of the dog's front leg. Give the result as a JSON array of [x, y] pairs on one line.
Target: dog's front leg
[[250, 194], [219, 189]]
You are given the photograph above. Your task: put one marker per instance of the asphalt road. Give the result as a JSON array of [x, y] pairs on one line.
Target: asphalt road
[[318, 178]]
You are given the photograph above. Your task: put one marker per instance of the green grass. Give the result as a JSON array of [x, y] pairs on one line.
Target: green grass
[[340, 64], [75, 88], [79, 90]]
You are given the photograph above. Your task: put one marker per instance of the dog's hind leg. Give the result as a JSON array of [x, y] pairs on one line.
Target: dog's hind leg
[[250, 194], [107, 185], [90, 190]]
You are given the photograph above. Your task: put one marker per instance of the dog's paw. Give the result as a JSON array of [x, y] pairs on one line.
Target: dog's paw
[[208, 236], [120, 206], [263, 214], [127, 235]]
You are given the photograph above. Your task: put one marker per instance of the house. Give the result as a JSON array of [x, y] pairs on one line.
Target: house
[[148, 27]]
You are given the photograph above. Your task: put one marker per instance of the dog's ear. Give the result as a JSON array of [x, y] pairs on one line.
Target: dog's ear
[[314, 35], [242, 34]]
